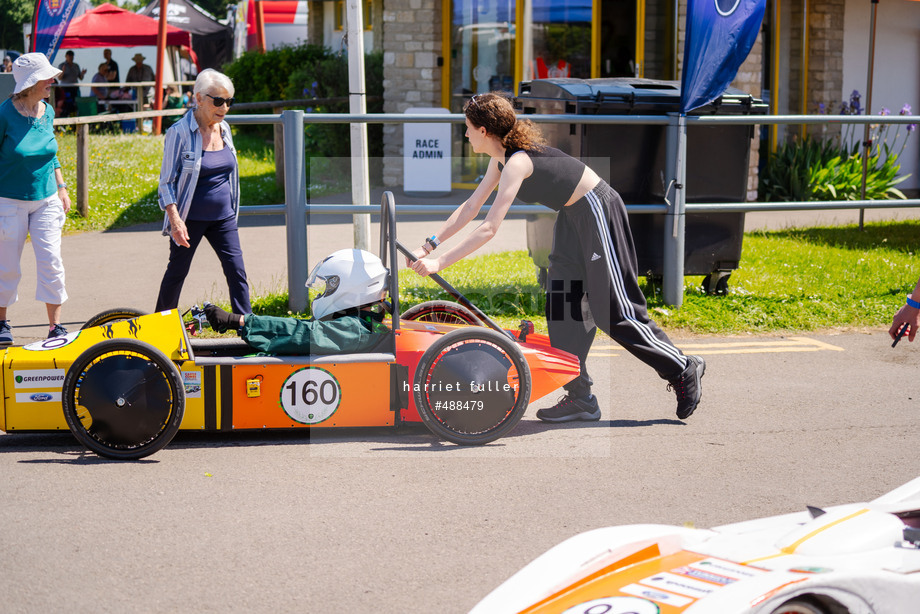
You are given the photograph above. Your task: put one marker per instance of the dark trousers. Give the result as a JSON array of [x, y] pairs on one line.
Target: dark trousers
[[593, 283], [224, 237]]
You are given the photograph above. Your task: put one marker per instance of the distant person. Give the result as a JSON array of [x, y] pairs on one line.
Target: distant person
[[141, 72], [33, 195], [7, 64], [187, 67], [200, 192], [112, 73], [101, 76], [171, 100], [909, 314], [71, 74]]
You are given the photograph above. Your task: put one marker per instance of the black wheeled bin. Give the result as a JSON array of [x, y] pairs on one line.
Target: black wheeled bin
[[632, 159]]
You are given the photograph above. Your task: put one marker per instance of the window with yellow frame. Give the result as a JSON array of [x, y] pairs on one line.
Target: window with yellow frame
[[367, 8]]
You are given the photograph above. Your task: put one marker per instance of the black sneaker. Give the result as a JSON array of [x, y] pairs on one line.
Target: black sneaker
[[6, 333], [57, 331], [687, 386], [572, 408]]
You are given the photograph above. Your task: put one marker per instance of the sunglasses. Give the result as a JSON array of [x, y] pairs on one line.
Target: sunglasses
[[219, 101]]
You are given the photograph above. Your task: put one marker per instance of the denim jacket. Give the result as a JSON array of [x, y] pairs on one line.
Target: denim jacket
[[182, 163]]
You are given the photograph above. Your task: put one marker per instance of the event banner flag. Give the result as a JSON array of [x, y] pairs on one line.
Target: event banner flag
[[720, 34], [50, 23]]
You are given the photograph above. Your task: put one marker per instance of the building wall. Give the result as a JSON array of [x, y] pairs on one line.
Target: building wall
[[896, 74], [411, 76]]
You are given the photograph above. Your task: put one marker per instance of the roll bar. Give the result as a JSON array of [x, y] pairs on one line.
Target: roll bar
[[388, 248]]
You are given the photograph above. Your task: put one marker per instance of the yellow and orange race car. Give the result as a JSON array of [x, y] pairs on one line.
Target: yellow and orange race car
[[126, 383]]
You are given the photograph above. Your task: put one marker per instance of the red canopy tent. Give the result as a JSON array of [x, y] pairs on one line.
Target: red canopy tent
[[109, 26]]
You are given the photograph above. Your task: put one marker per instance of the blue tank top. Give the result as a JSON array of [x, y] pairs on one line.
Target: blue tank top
[[554, 179], [212, 198]]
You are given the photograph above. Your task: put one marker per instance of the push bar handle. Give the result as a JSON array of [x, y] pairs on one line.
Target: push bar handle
[[457, 296]]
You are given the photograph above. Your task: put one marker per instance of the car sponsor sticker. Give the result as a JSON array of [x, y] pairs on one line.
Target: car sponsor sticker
[[38, 397], [702, 574], [38, 378], [679, 584], [310, 395], [615, 605], [729, 569], [677, 601], [54, 343], [192, 381]]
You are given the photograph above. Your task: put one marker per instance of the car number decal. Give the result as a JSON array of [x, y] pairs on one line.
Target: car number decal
[[54, 343], [310, 395], [615, 605]]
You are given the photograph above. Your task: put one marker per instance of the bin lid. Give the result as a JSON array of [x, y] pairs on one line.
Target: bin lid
[[623, 95]]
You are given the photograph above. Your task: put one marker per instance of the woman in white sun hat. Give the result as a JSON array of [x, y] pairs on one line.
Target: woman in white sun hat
[[33, 195]]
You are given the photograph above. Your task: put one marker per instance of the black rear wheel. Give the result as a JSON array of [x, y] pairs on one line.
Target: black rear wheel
[[113, 315], [472, 386], [442, 312], [123, 399]]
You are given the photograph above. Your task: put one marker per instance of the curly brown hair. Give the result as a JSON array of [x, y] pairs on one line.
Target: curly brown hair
[[495, 113]]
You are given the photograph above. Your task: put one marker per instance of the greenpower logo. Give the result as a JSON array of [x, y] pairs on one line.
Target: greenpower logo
[[18, 379]]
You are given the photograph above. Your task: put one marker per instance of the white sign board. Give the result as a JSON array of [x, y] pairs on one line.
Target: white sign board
[[426, 155]]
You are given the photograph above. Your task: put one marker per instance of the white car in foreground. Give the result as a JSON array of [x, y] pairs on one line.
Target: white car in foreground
[[860, 558]]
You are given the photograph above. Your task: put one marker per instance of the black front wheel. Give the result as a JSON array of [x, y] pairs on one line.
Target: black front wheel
[[113, 315], [472, 386], [123, 399], [442, 312]]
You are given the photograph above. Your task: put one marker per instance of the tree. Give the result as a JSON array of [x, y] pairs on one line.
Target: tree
[[14, 13]]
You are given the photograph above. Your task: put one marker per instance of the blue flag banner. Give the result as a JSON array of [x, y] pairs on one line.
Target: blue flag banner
[[720, 34], [49, 25]]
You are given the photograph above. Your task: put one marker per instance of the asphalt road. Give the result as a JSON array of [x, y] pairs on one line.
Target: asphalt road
[[398, 521]]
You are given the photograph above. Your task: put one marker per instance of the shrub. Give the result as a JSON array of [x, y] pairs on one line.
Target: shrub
[[829, 169]]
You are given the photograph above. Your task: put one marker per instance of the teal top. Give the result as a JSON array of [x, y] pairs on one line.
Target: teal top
[[28, 154]]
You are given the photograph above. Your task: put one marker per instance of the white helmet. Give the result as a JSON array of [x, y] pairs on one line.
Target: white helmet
[[347, 279]]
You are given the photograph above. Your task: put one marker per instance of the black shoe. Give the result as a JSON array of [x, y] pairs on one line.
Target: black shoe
[[572, 408], [687, 386], [220, 320], [6, 333], [57, 331]]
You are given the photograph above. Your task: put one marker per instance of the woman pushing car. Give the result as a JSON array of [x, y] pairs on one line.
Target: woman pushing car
[[592, 280]]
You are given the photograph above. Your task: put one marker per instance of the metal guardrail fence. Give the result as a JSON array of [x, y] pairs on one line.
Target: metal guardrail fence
[[296, 207]]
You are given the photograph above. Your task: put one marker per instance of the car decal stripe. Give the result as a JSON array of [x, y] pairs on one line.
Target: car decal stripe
[[209, 390], [790, 549], [226, 398]]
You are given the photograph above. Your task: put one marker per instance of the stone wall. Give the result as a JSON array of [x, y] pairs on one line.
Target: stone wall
[[411, 75]]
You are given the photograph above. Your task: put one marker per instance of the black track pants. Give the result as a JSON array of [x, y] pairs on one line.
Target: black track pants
[[593, 282]]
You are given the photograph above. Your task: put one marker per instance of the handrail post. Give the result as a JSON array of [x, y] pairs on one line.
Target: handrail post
[[674, 228], [295, 204]]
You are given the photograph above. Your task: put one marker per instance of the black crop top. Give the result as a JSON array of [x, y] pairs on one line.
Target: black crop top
[[554, 179]]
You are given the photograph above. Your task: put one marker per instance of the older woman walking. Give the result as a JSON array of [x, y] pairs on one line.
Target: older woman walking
[[200, 192], [33, 195]]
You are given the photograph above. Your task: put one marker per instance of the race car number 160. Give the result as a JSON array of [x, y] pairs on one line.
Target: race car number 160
[[310, 395]]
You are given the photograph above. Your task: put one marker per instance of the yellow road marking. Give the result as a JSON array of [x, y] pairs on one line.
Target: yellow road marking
[[790, 344]]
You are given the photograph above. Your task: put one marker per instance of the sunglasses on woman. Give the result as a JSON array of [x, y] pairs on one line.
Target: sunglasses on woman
[[220, 100]]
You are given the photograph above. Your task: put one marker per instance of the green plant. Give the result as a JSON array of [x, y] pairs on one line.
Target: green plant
[[822, 168]]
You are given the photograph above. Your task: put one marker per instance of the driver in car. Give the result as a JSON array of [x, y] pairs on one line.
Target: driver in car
[[347, 313]]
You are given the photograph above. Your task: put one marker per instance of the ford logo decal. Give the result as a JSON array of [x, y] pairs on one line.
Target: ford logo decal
[[41, 396]]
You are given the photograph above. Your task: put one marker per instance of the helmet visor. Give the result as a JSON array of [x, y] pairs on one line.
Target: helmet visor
[[323, 286]]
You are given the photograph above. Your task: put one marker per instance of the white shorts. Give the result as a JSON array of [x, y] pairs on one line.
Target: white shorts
[[43, 220]]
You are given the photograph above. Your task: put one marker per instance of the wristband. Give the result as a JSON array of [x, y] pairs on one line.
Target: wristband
[[911, 302], [62, 186], [433, 242]]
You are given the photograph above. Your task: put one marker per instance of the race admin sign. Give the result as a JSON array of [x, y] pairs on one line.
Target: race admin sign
[[426, 153]]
